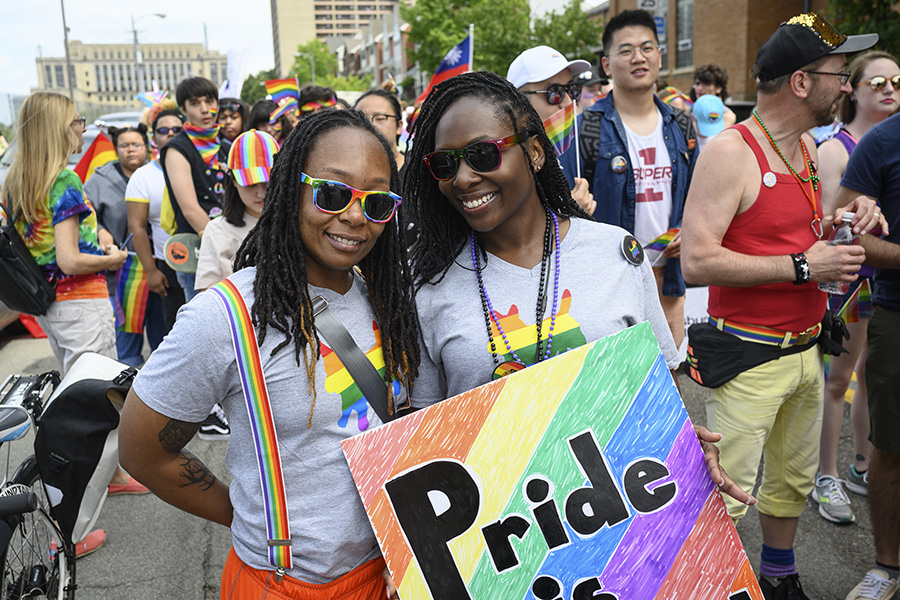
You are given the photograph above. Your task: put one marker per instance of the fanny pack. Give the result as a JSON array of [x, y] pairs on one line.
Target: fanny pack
[[715, 357]]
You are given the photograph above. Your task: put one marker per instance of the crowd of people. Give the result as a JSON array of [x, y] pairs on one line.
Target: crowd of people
[[475, 220]]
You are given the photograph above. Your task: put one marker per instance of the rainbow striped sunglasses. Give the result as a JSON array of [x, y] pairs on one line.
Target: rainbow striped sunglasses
[[334, 197]]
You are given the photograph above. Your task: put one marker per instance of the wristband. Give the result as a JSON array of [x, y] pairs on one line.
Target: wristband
[[801, 268]]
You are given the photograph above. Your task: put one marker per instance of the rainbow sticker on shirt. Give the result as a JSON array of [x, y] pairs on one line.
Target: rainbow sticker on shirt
[[523, 338], [339, 381]]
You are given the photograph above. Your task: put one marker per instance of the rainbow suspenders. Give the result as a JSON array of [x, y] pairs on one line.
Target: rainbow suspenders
[[268, 458]]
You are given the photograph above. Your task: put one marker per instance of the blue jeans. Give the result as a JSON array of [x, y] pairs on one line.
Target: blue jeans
[[130, 345], [186, 281]]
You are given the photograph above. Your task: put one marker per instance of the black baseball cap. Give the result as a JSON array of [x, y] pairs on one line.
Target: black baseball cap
[[802, 40]]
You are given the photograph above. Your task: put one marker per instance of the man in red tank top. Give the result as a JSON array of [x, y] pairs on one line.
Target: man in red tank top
[[753, 231]]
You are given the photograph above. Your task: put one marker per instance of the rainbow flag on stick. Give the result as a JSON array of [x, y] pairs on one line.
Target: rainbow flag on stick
[[131, 295], [560, 128], [283, 89], [859, 301], [659, 244], [290, 105], [100, 152]]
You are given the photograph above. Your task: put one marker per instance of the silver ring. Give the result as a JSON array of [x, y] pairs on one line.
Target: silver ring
[[877, 215]]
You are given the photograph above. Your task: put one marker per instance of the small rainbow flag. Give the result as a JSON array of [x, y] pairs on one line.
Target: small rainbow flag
[[100, 152], [859, 301], [659, 244], [560, 128], [290, 105], [151, 99], [131, 295], [283, 89]]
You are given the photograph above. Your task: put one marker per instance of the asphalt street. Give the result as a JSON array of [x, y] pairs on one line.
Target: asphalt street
[[156, 551]]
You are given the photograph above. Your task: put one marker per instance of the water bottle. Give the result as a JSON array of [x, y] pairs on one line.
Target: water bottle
[[841, 236]]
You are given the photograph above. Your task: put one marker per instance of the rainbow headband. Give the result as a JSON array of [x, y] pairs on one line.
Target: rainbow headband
[[262, 424], [314, 104]]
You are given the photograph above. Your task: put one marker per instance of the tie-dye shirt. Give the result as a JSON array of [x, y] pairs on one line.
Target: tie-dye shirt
[[66, 199], [600, 293]]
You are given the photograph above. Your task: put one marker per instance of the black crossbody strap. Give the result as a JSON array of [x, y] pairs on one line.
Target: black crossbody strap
[[355, 361]]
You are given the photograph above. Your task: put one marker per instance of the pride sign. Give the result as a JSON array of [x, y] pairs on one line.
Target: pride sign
[[578, 478]]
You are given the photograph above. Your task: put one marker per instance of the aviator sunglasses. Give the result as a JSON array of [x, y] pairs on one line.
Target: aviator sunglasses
[[483, 156], [878, 83], [334, 197], [555, 92]]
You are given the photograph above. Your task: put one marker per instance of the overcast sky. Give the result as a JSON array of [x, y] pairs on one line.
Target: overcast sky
[[31, 27]]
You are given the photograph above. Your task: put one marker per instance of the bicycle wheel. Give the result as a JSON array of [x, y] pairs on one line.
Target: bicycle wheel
[[35, 563]]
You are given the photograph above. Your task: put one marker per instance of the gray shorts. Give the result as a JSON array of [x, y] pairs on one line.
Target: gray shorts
[[882, 375], [74, 327]]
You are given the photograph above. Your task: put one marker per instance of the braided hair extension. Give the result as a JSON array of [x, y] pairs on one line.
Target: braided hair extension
[[442, 230], [274, 246]]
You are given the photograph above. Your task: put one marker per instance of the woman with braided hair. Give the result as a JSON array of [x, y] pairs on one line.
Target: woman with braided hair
[[508, 270], [315, 227]]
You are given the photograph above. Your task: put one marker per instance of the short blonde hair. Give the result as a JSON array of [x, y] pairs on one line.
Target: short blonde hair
[[44, 141]]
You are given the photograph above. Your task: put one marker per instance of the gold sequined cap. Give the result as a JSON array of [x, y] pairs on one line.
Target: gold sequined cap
[[820, 27]]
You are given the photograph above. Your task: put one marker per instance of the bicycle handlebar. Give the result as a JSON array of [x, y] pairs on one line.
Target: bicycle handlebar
[[18, 504]]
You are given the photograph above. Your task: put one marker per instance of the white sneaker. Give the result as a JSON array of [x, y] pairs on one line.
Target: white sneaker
[[876, 585]]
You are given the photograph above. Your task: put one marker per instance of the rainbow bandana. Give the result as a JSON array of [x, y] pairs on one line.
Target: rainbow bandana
[[314, 104], [206, 141], [268, 458]]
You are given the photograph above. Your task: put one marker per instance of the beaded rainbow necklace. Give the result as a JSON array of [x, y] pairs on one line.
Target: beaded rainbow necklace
[[490, 315], [812, 180]]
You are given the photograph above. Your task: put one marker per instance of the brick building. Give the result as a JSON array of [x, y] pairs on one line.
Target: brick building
[[725, 32]]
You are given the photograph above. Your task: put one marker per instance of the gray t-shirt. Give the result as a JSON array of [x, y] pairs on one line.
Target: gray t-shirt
[[600, 293], [195, 367]]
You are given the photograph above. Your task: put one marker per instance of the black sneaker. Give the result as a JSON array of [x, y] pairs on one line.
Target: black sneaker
[[788, 589], [215, 426]]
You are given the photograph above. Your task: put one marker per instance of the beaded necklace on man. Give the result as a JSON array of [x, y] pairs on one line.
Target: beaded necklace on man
[[490, 316], [812, 180]]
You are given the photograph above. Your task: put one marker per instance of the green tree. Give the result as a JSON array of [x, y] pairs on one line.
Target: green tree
[[868, 16], [253, 88], [6, 131], [570, 32], [438, 25], [325, 62]]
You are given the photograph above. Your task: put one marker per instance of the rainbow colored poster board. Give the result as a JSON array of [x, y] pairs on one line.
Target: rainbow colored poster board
[[578, 478]]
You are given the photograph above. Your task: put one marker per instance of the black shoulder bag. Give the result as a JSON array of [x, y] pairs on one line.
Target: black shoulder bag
[[354, 360], [23, 286]]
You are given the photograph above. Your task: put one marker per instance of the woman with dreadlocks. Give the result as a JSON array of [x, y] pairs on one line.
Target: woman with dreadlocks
[[500, 237], [315, 226]]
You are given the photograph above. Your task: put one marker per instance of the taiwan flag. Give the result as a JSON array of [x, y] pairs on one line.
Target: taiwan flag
[[458, 60]]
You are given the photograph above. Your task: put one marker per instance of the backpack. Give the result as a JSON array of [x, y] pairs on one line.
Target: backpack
[[23, 286]]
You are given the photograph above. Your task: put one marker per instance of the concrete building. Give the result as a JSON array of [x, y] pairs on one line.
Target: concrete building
[[106, 77], [295, 22]]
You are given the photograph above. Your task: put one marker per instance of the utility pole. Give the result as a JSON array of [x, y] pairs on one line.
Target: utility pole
[[68, 60], [138, 57]]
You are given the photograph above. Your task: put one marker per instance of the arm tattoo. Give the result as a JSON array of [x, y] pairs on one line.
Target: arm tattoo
[[176, 434], [193, 471]]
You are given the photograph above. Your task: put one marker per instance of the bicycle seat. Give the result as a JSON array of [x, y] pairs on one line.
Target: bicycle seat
[[14, 423]]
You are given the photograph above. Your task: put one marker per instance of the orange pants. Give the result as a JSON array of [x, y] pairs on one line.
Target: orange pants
[[241, 582]]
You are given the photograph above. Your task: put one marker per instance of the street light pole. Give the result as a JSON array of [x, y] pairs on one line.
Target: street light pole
[[138, 58], [68, 59], [312, 63]]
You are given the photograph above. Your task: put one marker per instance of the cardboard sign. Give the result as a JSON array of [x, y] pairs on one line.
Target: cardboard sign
[[578, 478]]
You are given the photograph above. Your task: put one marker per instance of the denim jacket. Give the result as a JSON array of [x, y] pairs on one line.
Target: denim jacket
[[615, 192]]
